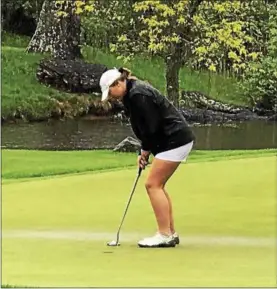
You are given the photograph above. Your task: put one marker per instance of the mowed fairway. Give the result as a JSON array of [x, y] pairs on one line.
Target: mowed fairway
[[55, 229]]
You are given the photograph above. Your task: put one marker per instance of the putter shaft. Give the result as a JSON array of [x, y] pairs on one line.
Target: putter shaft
[[127, 206]]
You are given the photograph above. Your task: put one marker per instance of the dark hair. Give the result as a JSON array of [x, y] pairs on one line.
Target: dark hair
[[125, 74]]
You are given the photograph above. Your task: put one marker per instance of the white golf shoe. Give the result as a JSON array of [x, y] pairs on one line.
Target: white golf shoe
[[157, 241], [176, 238]]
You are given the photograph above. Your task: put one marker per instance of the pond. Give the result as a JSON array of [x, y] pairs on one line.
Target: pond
[[85, 134]]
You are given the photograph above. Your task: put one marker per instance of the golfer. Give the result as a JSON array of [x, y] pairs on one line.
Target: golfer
[[163, 132]]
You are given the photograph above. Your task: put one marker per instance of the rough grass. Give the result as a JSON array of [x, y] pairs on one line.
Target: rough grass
[[14, 40], [22, 92], [234, 198], [28, 163], [220, 87]]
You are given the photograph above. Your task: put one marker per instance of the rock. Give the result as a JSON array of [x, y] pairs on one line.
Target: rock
[[204, 116], [196, 99], [266, 106], [197, 107], [75, 76], [273, 117], [129, 144]]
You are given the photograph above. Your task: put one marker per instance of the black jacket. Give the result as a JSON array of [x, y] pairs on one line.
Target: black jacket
[[155, 121]]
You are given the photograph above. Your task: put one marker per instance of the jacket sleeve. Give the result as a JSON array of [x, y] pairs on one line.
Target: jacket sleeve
[[146, 119]]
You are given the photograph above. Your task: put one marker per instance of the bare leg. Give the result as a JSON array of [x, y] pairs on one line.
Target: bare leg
[[159, 174], [160, 206], [172, 228]]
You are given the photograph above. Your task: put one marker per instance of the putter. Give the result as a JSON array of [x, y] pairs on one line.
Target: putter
[[116, 243]]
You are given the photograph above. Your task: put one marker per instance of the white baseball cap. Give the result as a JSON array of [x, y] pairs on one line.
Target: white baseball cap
[[107, 79]]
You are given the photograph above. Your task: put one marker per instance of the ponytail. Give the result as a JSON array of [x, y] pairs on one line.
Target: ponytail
[[125, 73]]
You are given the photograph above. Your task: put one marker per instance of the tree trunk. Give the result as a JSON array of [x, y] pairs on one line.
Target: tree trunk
[[178, 54], [173, 66], [59, 35]]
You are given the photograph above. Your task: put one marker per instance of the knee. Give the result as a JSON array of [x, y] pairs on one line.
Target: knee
[[151, 185]]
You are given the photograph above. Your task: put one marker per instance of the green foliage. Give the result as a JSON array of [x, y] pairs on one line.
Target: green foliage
[[158, 27], [108, 20], [230, 34], [79, 7], [223, 36], [31, 8], [260, 82], [272, 25], [162, 23]]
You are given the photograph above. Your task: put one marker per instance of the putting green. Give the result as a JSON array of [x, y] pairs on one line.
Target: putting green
[[55, 229]]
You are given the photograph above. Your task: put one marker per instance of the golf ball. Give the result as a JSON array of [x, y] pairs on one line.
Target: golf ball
[[112, 243]]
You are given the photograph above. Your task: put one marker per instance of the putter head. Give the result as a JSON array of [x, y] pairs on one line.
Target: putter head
[[113, 244]]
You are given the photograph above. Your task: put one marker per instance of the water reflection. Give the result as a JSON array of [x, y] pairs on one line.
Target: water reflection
[[95, 134]]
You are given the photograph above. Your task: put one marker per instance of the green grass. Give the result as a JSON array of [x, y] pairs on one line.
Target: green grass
[[23, 93], [14, 40], [217, 86], [229, 197], [28, 163], [21, 90], [11, 286]]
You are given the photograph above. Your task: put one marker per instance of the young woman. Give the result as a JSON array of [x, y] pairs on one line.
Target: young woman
[[163, 132]]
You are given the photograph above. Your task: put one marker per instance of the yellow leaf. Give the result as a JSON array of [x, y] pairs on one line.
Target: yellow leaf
[[212, 67], [122, 38], [237, 27], [79, 10], [233, 55], [60, 2], [62, 14], [181, 5], [89, 8], [242, 51], [79, 3], [201, 50], [254, 55], [242, 66], [219, 7], [181, 20], [112, 47]]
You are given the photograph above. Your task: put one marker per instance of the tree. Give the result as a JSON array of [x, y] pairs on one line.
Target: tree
[[158, 27], [215, 35], [164, 28], [218, 35], [58, 30], [230, 35], [260, 80], [109, 19], [20, 16]]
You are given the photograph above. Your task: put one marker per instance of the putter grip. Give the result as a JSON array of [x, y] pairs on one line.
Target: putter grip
[[139, 171]]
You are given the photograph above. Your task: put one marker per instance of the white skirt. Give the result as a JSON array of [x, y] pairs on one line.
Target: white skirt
[[176, 155]]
